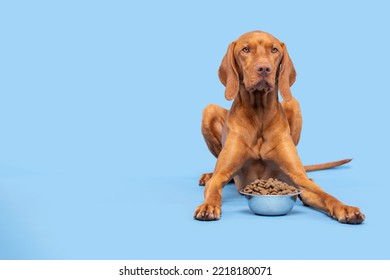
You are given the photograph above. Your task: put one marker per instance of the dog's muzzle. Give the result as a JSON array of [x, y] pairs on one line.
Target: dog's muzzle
[[262, 86]]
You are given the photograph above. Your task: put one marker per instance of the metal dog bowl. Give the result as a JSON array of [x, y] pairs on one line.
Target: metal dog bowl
[[271, 205]]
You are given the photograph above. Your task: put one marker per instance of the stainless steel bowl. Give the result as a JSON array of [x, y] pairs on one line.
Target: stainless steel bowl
[[271, 205]]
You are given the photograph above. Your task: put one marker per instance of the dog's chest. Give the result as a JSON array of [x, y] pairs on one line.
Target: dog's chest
[[257, 126], [261, 137], [257, 145]]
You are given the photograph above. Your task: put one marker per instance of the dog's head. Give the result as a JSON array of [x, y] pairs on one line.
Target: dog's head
[[260, 62]]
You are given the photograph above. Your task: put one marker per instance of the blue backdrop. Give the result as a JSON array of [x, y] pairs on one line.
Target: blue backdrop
[[100, 143]]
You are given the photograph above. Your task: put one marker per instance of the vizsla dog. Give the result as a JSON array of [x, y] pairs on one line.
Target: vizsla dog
[[256, 138]]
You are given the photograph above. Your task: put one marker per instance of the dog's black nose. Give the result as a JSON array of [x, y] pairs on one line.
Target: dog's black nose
[[263, 69]]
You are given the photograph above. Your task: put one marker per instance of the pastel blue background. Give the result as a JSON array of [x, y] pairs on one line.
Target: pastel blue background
[[100, 143]]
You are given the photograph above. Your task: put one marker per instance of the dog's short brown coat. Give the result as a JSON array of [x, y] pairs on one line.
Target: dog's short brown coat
[[256, 138]]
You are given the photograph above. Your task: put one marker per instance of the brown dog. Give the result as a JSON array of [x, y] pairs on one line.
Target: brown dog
[[256, 138]]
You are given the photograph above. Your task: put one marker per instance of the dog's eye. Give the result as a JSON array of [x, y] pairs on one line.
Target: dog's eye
[[245, 49], [274, 50]]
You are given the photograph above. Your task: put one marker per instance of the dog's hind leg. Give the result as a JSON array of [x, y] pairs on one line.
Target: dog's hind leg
[[213, 121], [294, 117]]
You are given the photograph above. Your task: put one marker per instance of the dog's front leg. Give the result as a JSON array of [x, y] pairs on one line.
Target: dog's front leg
[[230, 160], [286, 157]]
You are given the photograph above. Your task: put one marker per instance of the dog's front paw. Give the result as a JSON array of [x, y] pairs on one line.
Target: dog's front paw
[[207, 212], [347, 214]]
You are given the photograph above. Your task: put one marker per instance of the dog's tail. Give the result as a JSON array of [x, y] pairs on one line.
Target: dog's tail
[[327, 165]]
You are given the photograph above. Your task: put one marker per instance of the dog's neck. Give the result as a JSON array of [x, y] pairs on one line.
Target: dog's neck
[[263, 103]]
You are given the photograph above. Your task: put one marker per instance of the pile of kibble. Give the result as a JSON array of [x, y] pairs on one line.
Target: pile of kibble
[[269, 187]]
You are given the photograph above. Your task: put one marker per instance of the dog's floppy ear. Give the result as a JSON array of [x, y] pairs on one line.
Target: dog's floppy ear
[[287, 75], [228, 74]]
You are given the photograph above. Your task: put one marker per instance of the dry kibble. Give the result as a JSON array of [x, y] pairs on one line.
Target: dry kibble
[[269, 187]]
